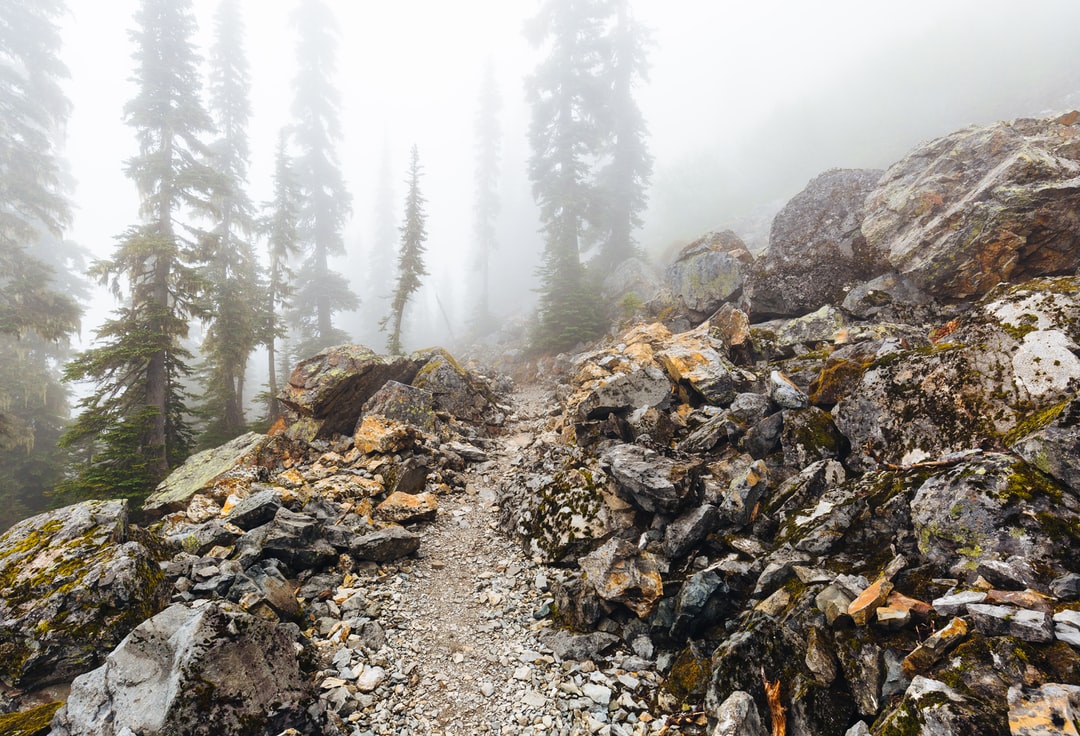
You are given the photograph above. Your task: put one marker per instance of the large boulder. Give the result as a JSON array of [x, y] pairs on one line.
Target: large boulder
[[453, 389], [816, 248], [194, 670], [332, 386], [709, 271], [962, 213], [216, 472], [1006, 361], [72, 585]]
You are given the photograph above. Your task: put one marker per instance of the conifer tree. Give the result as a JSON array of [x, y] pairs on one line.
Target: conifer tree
[[320, 292], [486, 204], [135, 419], [282, 241], [625, 162], [229, 268], [382, 253], [565, 134], [32, 199], [410, 265]]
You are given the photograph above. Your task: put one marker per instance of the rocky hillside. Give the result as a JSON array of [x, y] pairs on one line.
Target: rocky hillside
[[834, 490]]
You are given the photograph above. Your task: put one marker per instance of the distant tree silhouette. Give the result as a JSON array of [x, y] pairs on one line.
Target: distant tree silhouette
[[324, 202], [410, 266], [486, 203]]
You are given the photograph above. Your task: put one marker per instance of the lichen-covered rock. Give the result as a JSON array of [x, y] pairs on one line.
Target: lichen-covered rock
[[31, 722], [623, 392], [810, 435], [709, 271], [216, 472], [1008, 360], [696, 361], [990, 507], [385, 545], [404, 404], [378, 434], [1052, 708], [453, 389], [72, 585], [932, 708], [200, 670], [816, 249], [408, 508], [984, 205], [332, 386], [1051, 442]]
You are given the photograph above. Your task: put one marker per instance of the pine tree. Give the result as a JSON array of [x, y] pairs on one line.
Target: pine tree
[[282, 241], [320, 292], [410, 265], [626, 164], [32, 199], [229, 268], [486, 204], [135, 420], [566, 134]]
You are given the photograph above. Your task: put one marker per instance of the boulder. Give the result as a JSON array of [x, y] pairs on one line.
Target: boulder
[[404, 404], [1034, 626], [816, 248], [1051, 442], [738, 716], [640, 387], [377, 434], [709, 271], [696, 361], [194, 670], [984, 205], [72, 585], [254, 510], [332, 386], [216, 473], [568, 645], [621, 573], [263, 591], [992, 507], [1005, 362], [453, 389], [649, 480]]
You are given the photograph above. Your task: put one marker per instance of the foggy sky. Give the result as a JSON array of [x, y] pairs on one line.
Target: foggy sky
[[745, 103]]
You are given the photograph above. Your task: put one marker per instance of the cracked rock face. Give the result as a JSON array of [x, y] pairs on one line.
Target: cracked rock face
[[194, 670]]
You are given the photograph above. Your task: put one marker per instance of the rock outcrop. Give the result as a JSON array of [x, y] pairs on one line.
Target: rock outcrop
[[194, 670], [709, 272], [817, 251], [73, 583], [984, 205]]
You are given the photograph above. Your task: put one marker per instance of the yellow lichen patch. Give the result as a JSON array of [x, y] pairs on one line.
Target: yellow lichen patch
[[379, 434]]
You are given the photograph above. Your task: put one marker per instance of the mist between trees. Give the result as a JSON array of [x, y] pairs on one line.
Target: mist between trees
[[216, 292]]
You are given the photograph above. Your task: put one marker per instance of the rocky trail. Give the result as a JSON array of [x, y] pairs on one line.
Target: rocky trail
[[466, 625]]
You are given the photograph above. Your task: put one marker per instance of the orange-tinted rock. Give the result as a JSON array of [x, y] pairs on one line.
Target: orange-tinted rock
[[406, 508], [863, 607], [1029, 599], [379, 434], [918, 609], [934, 647]]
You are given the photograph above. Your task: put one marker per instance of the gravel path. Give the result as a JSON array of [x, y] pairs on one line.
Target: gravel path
[[463, 651]]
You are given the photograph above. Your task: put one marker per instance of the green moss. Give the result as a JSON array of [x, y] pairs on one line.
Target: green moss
[[1026, 483], [34, 722], [1034, 421], [689, 676]]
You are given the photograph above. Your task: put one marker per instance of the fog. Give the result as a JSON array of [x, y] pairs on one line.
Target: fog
[[745, 102]]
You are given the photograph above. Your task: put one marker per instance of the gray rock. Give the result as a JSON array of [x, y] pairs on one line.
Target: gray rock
[[709, 271], [1005, 215], [623, 392], [689, 530], [1013, 573], [385, 545], [738, 716], [861, 661], [750, 408], [1066, 587], [1034, 626], [763, 439], [816, 248], [193, 671], [833, 601], [74, 584], [859, 729], [455, 390], [649, 480], [568, 645], [704, 599], [263, 591], [872, 297], [810, 435], [403, 403], [955, 604], [621, 573], [744, 491], [784, 393], [255, 510]]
